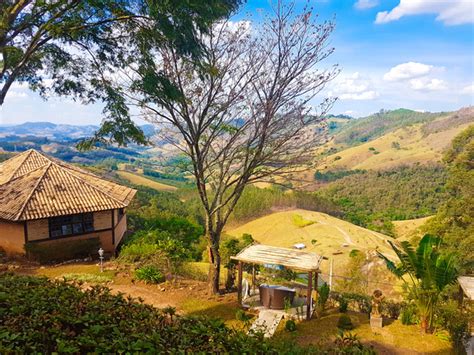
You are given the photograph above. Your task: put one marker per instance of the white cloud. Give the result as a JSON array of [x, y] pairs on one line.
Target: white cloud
[[354, 87], [365, 4], [468, 90], [450, 12], [428, 84], [407, 71]]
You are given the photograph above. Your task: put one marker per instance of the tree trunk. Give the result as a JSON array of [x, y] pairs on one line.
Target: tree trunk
[[214, 269], [424, 324]]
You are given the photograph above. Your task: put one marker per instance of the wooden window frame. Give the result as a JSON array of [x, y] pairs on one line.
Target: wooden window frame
[[53, 221]]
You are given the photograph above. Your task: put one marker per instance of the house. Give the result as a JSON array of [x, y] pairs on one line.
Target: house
[[49, 204]]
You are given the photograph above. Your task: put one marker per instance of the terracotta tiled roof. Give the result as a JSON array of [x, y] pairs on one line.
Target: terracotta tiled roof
[[33, 186]]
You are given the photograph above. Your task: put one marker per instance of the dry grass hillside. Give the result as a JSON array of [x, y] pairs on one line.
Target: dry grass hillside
[[141, 180], [334, 237], [410, 228], [422, 143]]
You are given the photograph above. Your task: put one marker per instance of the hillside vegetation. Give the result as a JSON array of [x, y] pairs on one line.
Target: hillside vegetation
[[393, 138], [372, 199]]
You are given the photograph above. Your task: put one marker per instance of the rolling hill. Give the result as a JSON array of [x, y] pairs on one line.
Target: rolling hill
[[334, 237], [137, 179], [394, 138]]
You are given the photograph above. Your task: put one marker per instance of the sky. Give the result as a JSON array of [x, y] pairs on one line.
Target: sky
[[415, 54]]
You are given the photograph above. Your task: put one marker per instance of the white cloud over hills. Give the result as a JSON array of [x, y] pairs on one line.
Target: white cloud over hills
[[407, 71], [354, 87], [450, 12]]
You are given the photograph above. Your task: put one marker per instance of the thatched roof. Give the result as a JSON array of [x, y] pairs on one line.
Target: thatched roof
[[33, 186], [290, 258]]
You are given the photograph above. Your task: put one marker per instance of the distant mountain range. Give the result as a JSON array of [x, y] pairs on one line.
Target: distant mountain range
[[56, 132]]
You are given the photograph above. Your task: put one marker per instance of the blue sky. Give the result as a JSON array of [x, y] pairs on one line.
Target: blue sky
[[416, 54]]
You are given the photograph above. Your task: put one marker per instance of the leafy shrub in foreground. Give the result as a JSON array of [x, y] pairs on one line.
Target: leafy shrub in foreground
[[94, 320], [290, 325], [149, 274], [344, 322]]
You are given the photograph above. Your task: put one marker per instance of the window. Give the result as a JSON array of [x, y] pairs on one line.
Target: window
[[71, 225], [121, 212]]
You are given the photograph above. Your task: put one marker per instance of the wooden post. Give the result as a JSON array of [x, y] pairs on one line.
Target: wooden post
[[253, 279], [316, 274], [308, 295], [239, 283]]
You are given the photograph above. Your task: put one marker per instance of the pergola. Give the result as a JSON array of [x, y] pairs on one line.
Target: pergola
[[290, 258], [466, 284]]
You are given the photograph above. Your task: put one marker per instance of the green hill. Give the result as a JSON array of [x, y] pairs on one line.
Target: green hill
[[393, 138]]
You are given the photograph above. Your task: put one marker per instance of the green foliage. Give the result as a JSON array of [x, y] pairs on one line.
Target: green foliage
[[456, 322], [333, 175], [426, 272], [154, 248], [290, 325], [347, 343], [373, 199], [454, 222], [343, 305], [149, 274], [323, 294], [368, 128], [256, 202], [301, 222], [344, 322], [409, 314], [242, 316], [93, 278], [230, 247], [59, 317], [62, 250]]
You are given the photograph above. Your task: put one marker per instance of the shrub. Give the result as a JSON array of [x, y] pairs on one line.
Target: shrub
[[301, 222], [290, 325], [240, 315], [67, 250], [347, 343], [343, 304], [96, 321], [391, 309], [408, 315], [94, 278], [149, 274], [344, 322], [323, 295], [449, 317]]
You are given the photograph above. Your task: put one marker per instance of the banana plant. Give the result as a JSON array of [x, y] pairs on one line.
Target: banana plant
[[426, 272]]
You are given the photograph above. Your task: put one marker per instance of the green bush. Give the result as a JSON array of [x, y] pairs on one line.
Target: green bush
[[343, 305], [149, 274], [290, 325], [408, 315], [94, 278], [344, 322], [61, 318], [449, 317], [67, 250], [240, 315]]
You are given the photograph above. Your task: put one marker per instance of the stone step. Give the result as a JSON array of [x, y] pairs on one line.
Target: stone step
[[267, 322]]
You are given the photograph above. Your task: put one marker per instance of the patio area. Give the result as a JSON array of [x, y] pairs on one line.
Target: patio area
[[295, 301]]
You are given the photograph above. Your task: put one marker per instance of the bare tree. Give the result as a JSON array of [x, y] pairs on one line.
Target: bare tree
[[243, 115]]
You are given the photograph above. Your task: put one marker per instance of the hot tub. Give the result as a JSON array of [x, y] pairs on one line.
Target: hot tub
[[273, 296]]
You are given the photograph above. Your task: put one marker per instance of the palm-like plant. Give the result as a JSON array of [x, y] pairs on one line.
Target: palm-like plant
[[425, 271]]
